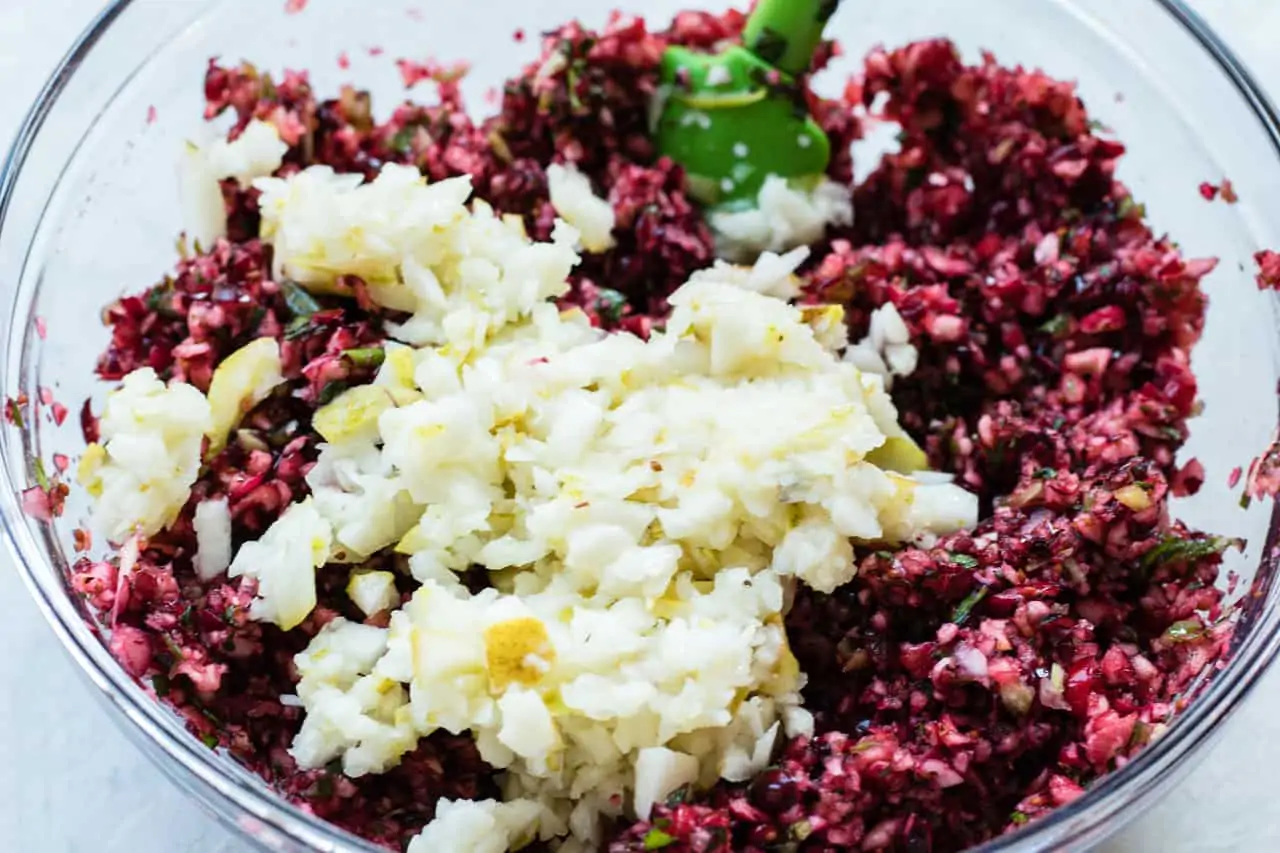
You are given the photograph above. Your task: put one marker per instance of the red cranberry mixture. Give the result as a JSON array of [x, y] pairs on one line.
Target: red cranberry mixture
[[960, 690]]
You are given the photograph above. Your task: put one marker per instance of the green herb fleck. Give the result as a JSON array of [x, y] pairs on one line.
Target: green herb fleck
[[1018, 818], [13, 410], [1127, 208], [1141, 735], [268, 85], [299, 327], [158, 298], [656, 839], [42, 478], [210, 740], [402, 142], [572, 78], [1046, 473], [858, 271], [965, 560], [965, 608], [610, 305], [365, 356], [801, 830], [1174, 549], [679, 796], [301, 303], [1185, 631], [1056, 326], [330, 392], [160, 684], [1245, 500]]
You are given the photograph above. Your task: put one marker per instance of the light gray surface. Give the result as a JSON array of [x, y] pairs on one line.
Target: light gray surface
[[70, 782]]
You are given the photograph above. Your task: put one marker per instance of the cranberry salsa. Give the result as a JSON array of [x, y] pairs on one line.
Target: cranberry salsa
[[959, 687]]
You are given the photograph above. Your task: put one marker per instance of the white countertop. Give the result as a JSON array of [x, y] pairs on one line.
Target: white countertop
[[70, 782]]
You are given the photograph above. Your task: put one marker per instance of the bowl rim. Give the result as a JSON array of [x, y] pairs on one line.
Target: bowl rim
[[249, 806]]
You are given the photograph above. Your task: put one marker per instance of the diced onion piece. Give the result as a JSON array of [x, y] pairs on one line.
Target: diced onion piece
[[659, 773], [483, 826], [573, 199], [373, 592], [284, 562], [353, 414], [212, 523], [241, 382], [141, 476]]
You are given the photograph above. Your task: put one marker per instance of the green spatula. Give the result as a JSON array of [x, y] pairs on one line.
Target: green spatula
[[734, 118]]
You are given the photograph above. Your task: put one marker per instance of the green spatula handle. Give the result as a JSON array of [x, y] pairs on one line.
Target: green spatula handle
[[785, 33]]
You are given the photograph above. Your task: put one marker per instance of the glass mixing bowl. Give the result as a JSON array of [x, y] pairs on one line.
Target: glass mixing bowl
[[89, 210]]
